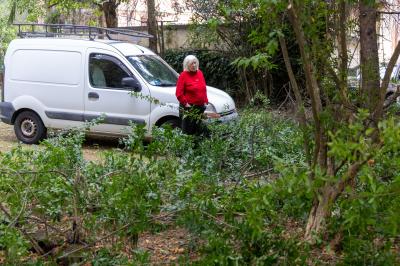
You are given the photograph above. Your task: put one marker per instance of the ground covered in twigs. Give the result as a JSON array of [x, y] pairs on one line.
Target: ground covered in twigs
[[240, 197]]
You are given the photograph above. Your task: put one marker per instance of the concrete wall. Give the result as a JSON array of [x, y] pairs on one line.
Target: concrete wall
[[388, 36], [174, 36], [134, 12]]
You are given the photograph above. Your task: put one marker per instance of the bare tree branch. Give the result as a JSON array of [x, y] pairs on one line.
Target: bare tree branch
[[299, 101], [34, 243], [311, 81], [386, 80]]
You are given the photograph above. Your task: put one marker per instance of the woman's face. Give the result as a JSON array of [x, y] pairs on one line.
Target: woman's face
[[193, 66]]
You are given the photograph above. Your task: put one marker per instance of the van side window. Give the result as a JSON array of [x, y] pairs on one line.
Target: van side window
[[106, 71]]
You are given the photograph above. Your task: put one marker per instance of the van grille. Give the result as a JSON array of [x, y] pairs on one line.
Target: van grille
[[228, 112]]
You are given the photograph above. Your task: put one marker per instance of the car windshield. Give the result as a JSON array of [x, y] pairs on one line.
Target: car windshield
[[154, 70]]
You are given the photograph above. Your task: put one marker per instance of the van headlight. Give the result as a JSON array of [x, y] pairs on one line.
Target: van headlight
[[210, 108]]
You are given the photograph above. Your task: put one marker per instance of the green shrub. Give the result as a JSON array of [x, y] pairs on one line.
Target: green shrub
[[7, 33], [244, 194]]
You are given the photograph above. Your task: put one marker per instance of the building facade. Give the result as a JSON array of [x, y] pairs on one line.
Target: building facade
[[134, 13]]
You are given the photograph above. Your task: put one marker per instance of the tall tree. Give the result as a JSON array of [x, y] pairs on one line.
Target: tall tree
[[109, 9], [341, 172], [342, 134], [152, 24], [369, 53], [230, 26], [37, 8]]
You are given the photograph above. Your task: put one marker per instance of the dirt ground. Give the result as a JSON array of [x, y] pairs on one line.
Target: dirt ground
[[7, 137], [165, 247], [91, 150]]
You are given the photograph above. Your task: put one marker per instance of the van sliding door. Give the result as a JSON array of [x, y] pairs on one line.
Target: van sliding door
[[108, 94]]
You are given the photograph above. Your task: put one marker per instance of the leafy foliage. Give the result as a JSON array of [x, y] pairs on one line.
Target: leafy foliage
[[7, 33], [246, 32], [244, 194]]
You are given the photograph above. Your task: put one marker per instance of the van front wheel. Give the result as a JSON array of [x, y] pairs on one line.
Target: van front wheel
[[29, 128], [173, 123]]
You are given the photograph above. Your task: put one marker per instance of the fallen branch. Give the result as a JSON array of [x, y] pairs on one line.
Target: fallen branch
[[94, 242], [35, 245], [39, 220], [259, 173], [218, 220], [110, 234]]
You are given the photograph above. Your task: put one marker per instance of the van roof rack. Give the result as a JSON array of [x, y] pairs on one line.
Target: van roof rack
[[35, 30]]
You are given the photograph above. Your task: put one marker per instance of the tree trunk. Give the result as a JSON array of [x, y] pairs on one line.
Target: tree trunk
[[152, 24], [343, 56], [385, 82], [109, 9], [370, 80], [100, 20], [321, 209], [1, 80], [300, 113], [311, 84]]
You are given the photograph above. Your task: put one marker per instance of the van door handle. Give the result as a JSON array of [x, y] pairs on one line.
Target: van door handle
[[93, 95]]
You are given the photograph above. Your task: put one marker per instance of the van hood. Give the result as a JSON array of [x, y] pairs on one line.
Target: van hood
[[220, 99]]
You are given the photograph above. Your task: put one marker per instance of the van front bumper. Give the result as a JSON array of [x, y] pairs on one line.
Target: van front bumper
[[223, 117], [6, 112]]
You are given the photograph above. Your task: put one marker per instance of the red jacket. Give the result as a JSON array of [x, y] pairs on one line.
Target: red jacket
[[191, 88]]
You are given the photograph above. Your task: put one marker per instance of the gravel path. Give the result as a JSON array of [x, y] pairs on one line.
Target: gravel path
[[7, 137], [91, 150]]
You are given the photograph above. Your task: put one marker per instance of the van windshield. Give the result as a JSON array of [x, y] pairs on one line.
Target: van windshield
[[154, 70]]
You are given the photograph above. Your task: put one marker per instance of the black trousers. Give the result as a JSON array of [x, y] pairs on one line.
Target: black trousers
[[192, 123]]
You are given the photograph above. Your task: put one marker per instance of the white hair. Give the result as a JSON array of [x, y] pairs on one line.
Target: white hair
[[188, 60]]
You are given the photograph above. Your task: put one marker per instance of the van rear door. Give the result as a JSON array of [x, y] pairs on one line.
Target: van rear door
[[107, 93]]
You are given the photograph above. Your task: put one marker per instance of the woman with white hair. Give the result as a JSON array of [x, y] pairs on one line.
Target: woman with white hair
[[192, 95]]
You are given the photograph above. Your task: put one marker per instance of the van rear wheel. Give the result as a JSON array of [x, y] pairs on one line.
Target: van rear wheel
[[29, 128]]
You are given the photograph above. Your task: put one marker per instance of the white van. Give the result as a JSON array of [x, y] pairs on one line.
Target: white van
[[61, 83]]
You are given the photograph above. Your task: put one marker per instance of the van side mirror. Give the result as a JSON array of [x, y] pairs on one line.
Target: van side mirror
[[131, 83]]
